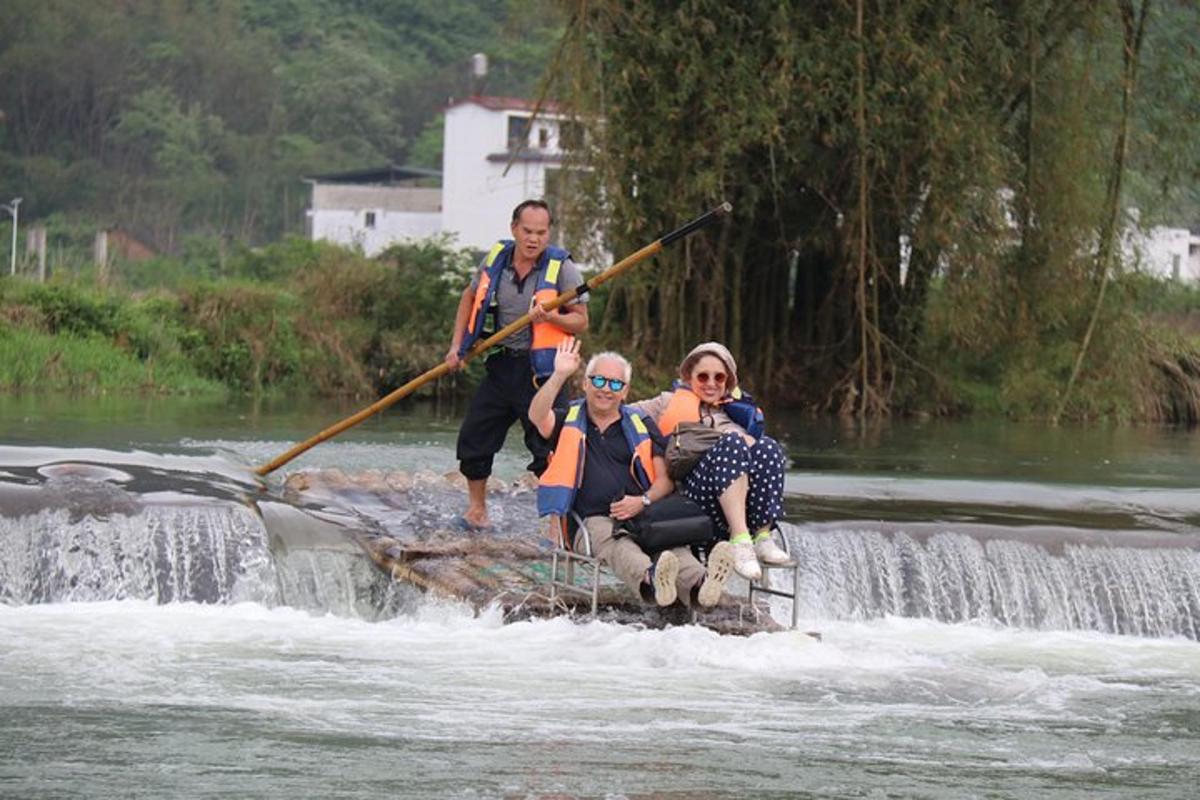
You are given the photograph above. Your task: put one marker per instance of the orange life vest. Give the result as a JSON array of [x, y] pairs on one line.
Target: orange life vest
[[560, 481], [546, 335], [684, 406]]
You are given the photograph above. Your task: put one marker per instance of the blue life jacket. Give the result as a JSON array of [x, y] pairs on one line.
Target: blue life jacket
[[560, 481], [546, 335], [684, 406]]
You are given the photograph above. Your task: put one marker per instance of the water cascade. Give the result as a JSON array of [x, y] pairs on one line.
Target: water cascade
[[951, 577], [191, 553], [171, 529]]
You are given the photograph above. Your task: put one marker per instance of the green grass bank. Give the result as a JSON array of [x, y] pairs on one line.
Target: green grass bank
[[309, 318]]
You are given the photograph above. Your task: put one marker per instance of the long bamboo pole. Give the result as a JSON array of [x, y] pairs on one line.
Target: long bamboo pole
[[482, 346]]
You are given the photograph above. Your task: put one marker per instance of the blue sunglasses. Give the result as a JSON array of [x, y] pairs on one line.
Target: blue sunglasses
[[616, 384]]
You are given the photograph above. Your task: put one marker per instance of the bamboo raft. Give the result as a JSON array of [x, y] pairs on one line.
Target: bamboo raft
[[493, 569]]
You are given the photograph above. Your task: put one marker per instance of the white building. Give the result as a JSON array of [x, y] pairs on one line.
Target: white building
[[495, 154], [374, 208], [1171, 253]]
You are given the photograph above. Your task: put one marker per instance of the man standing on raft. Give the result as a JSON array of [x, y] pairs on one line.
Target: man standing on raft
[[514, 279]]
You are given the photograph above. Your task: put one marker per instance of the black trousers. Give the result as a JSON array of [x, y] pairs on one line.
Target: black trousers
[[501, 399]]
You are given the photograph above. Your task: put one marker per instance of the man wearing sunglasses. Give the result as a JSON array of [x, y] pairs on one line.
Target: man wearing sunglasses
[[608, 466], [515, 278]]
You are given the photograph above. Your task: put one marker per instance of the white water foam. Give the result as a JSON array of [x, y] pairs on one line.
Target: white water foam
[[459, 705], [209, 552], [855, 574]]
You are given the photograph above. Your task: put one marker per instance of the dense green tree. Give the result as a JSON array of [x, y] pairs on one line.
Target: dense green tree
[[176, 117], [919, 189]]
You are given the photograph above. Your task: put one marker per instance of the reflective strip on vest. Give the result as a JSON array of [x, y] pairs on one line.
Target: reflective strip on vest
[[546, 335], [560, 481]]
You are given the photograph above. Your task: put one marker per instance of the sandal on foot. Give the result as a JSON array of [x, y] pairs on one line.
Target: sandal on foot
[[720, 565], [666, 571]]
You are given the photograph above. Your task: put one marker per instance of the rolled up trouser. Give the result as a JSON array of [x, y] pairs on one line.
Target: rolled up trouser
[[503, 397]]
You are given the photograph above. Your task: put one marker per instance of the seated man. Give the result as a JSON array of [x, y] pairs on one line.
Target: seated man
[[620, 456]]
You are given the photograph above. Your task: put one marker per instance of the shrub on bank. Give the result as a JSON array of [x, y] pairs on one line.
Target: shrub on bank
[[1141, 360], [32, 360], [303, 317]]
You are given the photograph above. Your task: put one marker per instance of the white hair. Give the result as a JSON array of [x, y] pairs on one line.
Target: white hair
[[626, 367]]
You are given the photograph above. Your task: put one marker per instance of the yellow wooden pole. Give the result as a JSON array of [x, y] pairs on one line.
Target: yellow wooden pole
[[484, 345]]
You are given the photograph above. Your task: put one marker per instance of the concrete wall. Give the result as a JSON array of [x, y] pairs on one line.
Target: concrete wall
[[342, 213]]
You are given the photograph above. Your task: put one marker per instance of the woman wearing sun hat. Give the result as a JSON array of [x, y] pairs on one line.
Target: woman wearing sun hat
[[739, 481]]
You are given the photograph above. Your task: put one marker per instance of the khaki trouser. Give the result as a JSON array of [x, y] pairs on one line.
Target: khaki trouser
[[630, 563]]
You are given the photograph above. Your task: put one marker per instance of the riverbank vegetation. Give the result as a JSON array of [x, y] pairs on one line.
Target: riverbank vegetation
[[298, 316], [314, 318], [929, 197]]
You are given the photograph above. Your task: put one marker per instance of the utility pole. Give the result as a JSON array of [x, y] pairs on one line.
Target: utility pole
[[12, 209]]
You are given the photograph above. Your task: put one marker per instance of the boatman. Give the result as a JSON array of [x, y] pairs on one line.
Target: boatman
[[515, 278], [608, 467]]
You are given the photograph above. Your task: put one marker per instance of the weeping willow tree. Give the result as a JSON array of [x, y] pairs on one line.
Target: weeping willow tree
[[916, 186]]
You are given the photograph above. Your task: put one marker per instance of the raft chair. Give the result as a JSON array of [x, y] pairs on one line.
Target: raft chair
[[567, 556], [763, 585]]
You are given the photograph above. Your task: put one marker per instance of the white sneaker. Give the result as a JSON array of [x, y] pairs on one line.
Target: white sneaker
[[720, 564], [770, 553], [745, 562], [666, 571]]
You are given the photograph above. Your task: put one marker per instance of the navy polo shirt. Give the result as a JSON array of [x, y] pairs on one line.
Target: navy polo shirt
[[607, 475]]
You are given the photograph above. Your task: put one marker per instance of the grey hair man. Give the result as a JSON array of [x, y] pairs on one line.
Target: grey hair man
[[608, 467]]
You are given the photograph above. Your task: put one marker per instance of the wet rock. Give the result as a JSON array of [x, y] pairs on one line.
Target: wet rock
[[528, 482]]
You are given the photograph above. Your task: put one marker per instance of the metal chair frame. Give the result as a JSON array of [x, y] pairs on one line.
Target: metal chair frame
[[569, 558], [765, 581]]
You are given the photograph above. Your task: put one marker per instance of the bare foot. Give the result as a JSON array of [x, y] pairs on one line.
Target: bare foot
[[477, 518]]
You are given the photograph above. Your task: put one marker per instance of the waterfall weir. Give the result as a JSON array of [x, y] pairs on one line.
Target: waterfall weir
[[81, 526], [953, 577]]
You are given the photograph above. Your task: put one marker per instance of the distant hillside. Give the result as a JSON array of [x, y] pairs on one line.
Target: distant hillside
[[176, 118]]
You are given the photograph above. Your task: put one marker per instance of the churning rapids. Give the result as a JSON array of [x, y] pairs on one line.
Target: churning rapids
[[101, 525], [169, 625]]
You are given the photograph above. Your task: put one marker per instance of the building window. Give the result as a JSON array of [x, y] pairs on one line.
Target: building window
[[543, 138], [518, 132], [1176, 266], [369, 220]]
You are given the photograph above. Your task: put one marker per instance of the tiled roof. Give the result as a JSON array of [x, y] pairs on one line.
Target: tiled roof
[[385, 174], [506, 104]]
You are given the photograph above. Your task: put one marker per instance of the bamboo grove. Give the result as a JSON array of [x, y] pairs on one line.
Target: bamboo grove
[[928, 195]]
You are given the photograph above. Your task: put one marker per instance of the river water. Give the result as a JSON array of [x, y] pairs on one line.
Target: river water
[[1007, 611]]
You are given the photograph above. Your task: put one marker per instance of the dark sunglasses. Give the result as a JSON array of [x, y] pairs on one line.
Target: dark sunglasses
[[616, 384], [704, 377]]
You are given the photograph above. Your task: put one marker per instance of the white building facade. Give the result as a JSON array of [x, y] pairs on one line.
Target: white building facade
[[496, 153], [1169, 253]]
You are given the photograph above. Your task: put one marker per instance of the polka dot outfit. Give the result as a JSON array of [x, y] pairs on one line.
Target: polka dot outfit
[[721, 466]]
